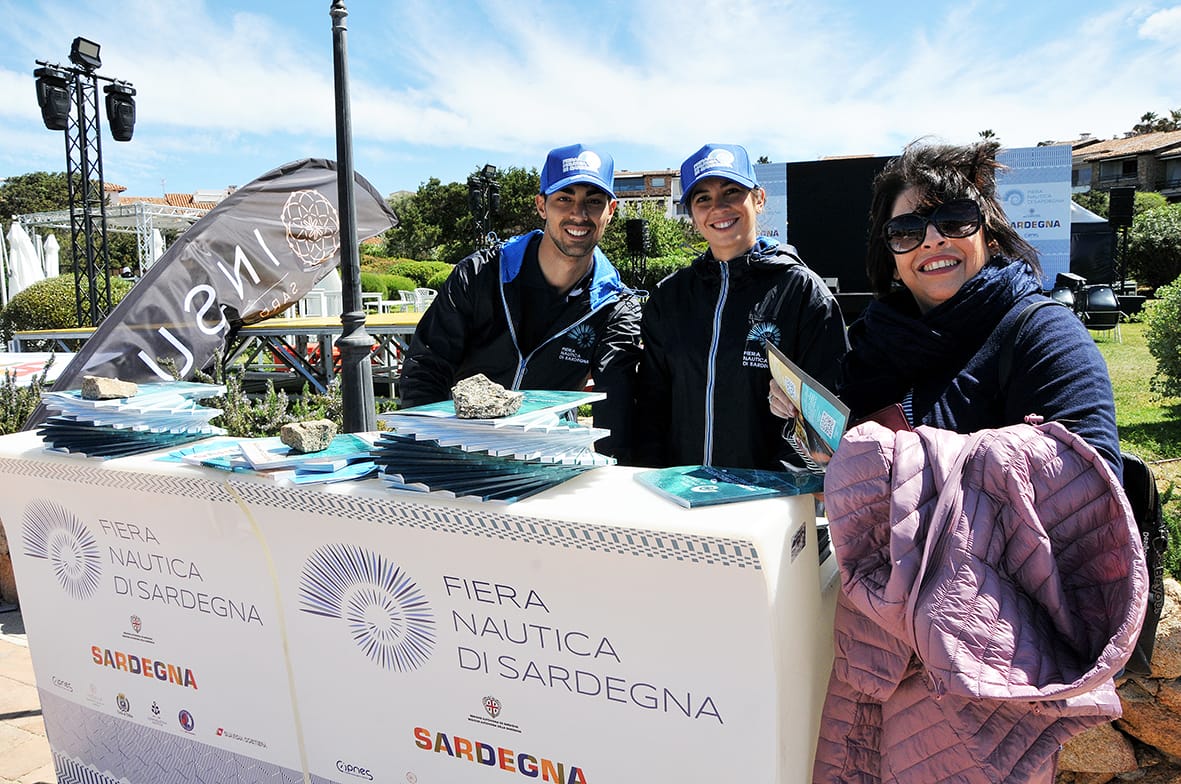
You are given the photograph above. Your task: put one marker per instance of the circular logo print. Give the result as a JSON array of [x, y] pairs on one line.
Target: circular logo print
[[313, 227], [387, 615], [186, 720], [53, 533]]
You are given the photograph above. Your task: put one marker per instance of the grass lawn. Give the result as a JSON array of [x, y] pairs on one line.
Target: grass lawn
[[1149, 425]]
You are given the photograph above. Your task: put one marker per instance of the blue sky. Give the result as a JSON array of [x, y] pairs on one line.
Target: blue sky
[[229, 90]]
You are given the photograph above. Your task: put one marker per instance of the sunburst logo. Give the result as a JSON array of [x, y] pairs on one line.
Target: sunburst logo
[[313, 227], [387, 615], [763, 332], [53, 533], [583, 336]]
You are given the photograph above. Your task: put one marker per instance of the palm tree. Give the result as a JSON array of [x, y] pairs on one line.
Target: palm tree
[[1147, 123], [987, 135]]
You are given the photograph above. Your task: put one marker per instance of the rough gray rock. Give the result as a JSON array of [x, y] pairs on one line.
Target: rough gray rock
[[477, 397], [102, 388], [313, 436]]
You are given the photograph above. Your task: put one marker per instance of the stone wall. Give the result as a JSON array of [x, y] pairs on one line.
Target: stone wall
[[1145, 745]]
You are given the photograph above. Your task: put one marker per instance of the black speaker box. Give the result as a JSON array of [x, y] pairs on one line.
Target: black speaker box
[[1119, 212]]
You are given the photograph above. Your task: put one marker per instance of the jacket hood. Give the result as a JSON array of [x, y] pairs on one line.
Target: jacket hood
[[605, 282], [766, 253]]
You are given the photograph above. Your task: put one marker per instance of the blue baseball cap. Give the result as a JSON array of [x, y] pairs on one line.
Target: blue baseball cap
[[729, 161], [577, 163]]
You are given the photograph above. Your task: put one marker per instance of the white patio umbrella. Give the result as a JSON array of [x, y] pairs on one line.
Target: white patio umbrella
[[3, 271], [52, 257], [39, 245], [25, 269], [157, 246]]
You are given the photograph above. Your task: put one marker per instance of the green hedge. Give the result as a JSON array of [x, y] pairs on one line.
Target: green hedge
[[50, 304], [421, 271], [388, 285], [382, 264], [437, 280]]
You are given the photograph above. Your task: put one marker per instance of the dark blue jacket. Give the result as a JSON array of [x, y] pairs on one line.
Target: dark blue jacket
[[702, 394]]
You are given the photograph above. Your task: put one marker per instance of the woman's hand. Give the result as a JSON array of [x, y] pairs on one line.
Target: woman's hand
[[780, 405]]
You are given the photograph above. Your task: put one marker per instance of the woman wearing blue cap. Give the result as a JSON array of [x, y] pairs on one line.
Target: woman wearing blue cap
[[702, 392]]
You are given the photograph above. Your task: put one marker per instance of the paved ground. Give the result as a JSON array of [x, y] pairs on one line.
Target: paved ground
[[24, 751]]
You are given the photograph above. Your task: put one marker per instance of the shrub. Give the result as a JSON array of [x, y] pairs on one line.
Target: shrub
[[437, 280], [1154, 245], [420, 271], [49, 304], [387, 285], [1162, 333], [384, 265], [17, 402], [654, 271]]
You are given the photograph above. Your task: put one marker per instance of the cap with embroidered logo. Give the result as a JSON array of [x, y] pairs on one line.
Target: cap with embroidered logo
[[728, 161], [569, 165]]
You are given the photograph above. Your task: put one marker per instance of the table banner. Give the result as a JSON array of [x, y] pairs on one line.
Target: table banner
[[456, 643], [157, 642]]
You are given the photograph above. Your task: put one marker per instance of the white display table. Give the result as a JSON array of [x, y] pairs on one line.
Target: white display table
[[192, 625]]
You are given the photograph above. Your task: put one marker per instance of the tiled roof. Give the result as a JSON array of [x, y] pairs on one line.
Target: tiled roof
[[110, 187], [1133, 145], [170, 199]]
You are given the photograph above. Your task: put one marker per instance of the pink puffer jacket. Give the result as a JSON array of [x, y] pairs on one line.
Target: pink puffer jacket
[[992, 585]]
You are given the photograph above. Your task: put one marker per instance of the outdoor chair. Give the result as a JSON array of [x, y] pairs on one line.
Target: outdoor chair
[[1099, 308], [423, 299]]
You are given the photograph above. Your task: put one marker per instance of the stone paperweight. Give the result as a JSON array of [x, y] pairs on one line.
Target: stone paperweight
[[313, 436], [102, 388], [478, 397]]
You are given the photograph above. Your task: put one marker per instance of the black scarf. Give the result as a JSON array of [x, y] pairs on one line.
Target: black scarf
[[895, 348]]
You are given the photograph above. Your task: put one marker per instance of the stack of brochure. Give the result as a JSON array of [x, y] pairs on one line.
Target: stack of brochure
[[348, 457], [503, 459], [157, 416]]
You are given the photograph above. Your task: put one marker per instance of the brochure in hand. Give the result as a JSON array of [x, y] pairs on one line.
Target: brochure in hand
[[693, 486], [822, 419]]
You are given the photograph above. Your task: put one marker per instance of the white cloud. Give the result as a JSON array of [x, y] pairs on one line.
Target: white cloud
[[229, 94], [1163, 26]]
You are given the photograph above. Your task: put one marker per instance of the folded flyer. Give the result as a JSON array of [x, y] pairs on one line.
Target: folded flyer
[[822, 419]]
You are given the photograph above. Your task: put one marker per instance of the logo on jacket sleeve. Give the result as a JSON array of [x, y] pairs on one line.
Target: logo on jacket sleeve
[[755, 353]]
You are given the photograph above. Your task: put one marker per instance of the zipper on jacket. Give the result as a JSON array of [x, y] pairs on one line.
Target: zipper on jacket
[[512, 333], [522, 361], [710, 369]]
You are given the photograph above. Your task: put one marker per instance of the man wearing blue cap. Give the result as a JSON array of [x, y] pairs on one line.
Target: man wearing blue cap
[[703, 383], [545, 310]]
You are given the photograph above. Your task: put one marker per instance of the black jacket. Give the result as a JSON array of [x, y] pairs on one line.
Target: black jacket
[[702, 393], [471, 326]]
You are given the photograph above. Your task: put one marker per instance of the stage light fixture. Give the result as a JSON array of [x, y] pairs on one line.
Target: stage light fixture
[[53, 95], [489, 171], [84, 54], [121, 110]]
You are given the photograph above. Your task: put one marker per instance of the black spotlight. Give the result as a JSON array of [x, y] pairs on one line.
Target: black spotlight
[[84, 54], [53, 95], [121, 110]]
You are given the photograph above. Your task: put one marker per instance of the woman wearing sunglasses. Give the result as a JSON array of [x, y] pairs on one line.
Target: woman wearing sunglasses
[[977, 589], [950, 275]]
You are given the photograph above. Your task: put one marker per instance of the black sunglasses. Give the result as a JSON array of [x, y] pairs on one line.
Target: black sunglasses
[[954, 220]]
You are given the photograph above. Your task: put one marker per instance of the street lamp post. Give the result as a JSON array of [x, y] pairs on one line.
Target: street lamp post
[[355, 343], [57, 87]]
